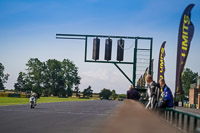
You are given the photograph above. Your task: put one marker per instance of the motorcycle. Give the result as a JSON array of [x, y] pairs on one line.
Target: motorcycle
[[32, 102]]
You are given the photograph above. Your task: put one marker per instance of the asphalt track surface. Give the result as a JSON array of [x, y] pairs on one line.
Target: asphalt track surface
[[62, 117]]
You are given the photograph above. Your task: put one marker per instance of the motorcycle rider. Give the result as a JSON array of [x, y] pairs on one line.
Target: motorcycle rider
[[33, 98], [153, 93]]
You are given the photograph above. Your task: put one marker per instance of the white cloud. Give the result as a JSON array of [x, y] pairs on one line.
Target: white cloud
[[103, 78], [100, 74]]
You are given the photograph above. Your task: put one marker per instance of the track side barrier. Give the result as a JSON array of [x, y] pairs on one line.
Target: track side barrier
[[183, 120]]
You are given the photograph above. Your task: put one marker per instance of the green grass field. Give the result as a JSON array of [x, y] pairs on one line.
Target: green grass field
[[15, 101]]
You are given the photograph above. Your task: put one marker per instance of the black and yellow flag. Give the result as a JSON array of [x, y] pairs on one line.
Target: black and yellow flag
[[186, 31], [161, 63], [138, 82], [152, 67], [141, 81], [144, 77]]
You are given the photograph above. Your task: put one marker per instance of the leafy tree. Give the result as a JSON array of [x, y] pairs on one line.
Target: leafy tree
[[114, 95], [122, 96], [35, 75], [105, 93], [54, 78], [76, 90], [50, 77], [3, 77], [69, 92], [28, 83], [180, 98], [87, 92], [20, 85], [70, 75], [188, 77]]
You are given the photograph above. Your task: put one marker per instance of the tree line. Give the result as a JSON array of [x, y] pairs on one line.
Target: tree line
[[3, 77], [51, 77], [58, 78]]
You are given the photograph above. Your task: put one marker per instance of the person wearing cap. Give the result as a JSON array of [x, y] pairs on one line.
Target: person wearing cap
[[132, 93], [167, 100]]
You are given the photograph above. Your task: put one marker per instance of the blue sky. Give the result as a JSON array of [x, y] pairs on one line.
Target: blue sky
[[28, 28]]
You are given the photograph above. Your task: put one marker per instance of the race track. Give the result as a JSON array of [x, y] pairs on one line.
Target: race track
[[62, 117]]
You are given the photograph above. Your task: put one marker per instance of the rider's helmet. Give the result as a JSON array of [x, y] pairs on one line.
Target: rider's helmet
[[33, 95]]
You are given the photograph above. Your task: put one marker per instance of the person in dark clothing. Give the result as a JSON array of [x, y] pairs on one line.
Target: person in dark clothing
[[152, 93], [167, 100], [132, 93]]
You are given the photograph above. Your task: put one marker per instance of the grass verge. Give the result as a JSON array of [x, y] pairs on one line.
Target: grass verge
[[14, 101]]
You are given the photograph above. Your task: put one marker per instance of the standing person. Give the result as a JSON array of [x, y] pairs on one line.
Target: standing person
[[167, 100], [153, 93], [132, 93]]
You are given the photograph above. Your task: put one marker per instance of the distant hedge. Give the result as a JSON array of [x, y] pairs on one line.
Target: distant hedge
[[3, 94], [6, 94], [13, 95]]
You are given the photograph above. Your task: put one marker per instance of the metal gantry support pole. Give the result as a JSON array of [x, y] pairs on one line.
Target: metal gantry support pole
[[135, 62], [123, 72], [85, 48], [151, 45]]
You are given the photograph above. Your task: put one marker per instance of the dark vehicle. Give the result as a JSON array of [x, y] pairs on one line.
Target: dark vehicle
[[120, 99], [102, 98]]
